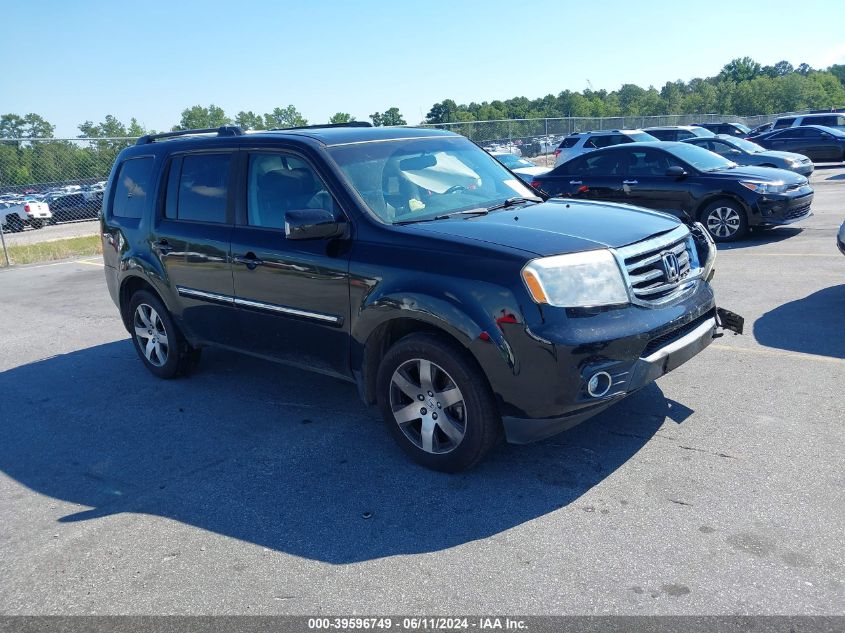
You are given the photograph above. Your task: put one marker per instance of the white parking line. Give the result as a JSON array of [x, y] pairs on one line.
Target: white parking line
[[94, 262]]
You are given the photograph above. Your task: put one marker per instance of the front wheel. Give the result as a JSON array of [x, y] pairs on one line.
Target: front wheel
[[14, 224], [157, 340], [437, 403], [725, 220]]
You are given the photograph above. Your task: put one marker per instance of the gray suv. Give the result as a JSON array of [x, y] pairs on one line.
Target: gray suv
[[744, 152]]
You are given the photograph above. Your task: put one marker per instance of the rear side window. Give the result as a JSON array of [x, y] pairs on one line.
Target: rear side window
[[570, 142], [830, 121], [782, 123], [132, 187], [198, 188]]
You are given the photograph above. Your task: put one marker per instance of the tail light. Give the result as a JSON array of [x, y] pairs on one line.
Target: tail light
[[557, 152], [26, 208], [536, 184]]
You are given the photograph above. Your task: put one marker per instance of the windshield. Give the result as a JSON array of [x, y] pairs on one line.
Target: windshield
[[748, 146], [416, 179], [742, 127], [642, 136], [513, 161], [700, 158]]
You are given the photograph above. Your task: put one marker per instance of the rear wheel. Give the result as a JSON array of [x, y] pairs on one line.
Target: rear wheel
[[436, 403], [14, 224], [36, 224], [157, 340], [725, 220]]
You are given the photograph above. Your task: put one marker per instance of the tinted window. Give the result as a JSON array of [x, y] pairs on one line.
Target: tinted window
[[782, 123], [720, 147], [832, 119], [203, 188], [570, 142], [649, 162], [663, 135], [132, 186], [278, 183], [603, 164]]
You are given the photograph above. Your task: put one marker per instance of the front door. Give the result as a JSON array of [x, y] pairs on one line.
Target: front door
[[191, 239], [291, 296]]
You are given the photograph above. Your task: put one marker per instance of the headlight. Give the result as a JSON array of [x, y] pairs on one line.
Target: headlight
[[776, 186], [579, 280], [793, 162]]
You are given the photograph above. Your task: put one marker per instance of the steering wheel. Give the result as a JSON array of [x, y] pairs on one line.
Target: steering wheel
[[454, 189]]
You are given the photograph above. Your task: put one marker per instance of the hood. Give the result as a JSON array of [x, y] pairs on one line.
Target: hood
[[556, 227], [531, 171], [784, 155], [748, 172]]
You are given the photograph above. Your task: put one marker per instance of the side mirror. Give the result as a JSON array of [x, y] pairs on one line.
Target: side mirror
[[676, 171], [312, 224]]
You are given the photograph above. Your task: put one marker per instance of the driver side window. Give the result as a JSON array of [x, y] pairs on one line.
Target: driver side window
[[277, 183]]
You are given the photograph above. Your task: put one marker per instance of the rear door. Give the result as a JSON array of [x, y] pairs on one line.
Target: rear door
[[292, 296], [192, 237], [647, 185], [596, 176]]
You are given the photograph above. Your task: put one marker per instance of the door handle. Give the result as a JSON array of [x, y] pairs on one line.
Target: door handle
[[575, 182], [630, 182], [249, 260], [162, 246]]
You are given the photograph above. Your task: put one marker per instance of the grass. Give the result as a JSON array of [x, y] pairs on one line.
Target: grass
[[55, 249]]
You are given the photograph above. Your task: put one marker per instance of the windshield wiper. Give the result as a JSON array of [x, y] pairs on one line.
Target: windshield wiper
[[464, 212], [510, 202]]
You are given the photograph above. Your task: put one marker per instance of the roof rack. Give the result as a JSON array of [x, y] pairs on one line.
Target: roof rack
[[324, 125], [224, 130]]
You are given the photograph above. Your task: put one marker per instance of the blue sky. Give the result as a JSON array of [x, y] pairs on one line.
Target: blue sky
[[72, 61]]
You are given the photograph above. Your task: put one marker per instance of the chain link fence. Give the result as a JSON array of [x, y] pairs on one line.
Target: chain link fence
[[52, 189]]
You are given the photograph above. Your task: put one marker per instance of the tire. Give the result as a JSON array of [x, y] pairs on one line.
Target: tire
[[36, 224], [169, 354], [14, 224], [725, 220], [450, 430]]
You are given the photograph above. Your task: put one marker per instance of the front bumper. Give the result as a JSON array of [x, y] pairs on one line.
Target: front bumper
[[782, 209], [643, 371]]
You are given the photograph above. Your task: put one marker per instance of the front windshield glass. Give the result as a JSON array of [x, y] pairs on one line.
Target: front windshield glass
[[748, 146], [700, 158], [415, 179], [742, 127]]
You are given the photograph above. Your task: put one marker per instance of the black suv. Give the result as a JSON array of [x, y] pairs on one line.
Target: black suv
[[409, 262]]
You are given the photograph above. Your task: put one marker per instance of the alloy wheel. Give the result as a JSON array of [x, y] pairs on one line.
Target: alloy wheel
[[428, 406], [723, 221], [151, 334]]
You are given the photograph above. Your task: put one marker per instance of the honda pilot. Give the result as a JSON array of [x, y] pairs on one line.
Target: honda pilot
[[410, 263]]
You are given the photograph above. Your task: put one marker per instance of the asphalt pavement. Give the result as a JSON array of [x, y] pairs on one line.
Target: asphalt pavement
[[251, 488]]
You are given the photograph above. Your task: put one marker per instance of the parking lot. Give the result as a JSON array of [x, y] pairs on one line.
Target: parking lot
[[251, 488]]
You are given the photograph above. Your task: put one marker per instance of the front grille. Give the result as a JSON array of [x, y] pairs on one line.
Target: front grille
[[648, 273], [798, 212], [673, 335]]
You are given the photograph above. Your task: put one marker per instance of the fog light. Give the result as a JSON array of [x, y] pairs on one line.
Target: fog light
[[599, 384]]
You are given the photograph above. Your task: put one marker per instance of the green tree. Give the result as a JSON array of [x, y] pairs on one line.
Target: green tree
[[284, 117], [392, 116], [341, 117], [741, 69], [249, 120], [199, 117]]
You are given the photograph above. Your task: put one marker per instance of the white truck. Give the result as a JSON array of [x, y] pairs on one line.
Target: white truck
[[24, 213]]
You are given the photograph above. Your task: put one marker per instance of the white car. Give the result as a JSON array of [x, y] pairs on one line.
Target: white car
[[25, 213], [522, 167], [583, 142]]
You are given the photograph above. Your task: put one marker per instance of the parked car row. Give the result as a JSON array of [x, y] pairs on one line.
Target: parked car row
[[15, 215], [64, 204], [686, 180]]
